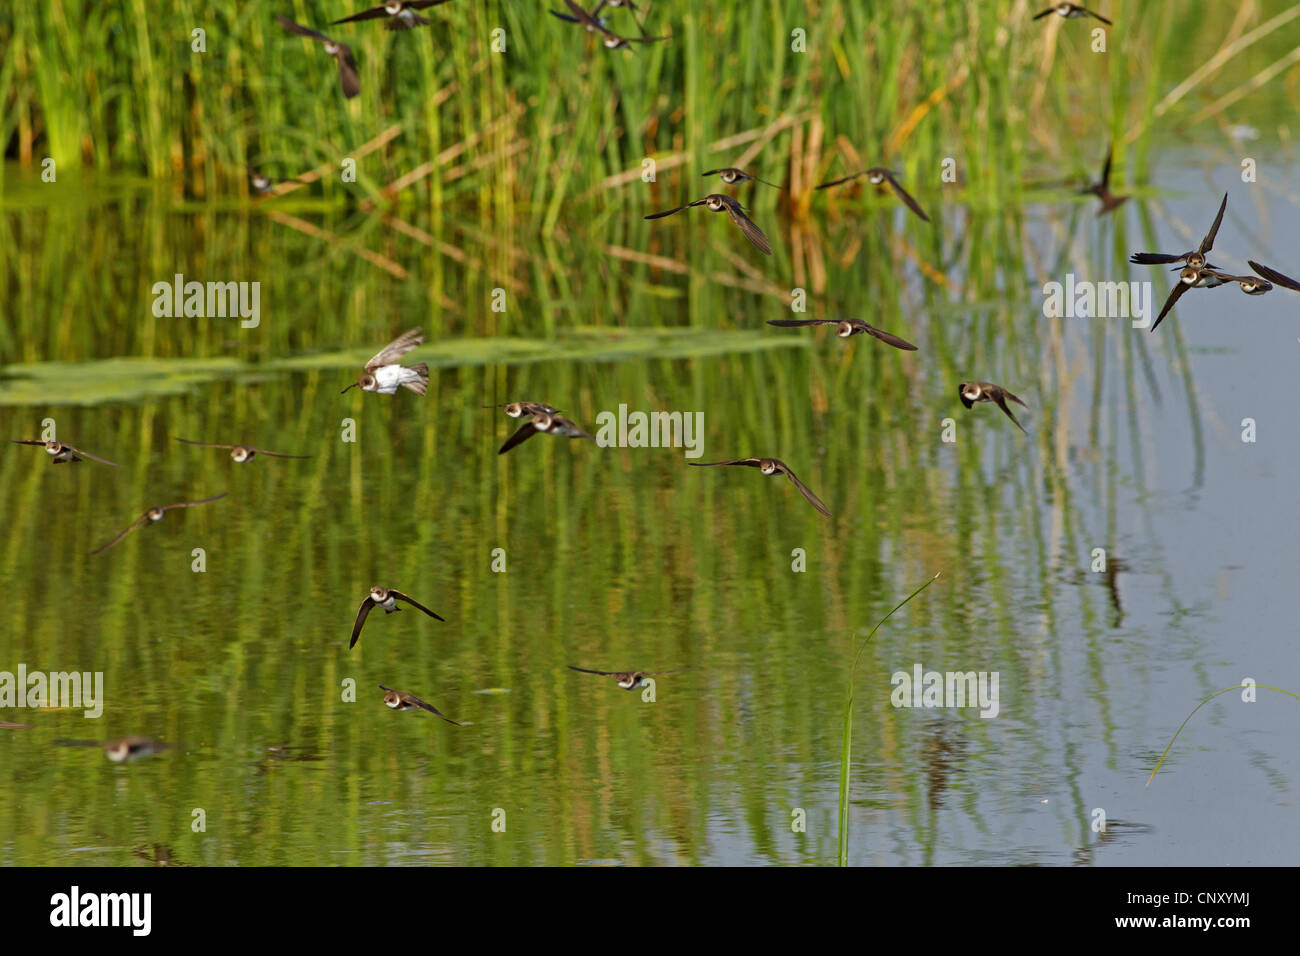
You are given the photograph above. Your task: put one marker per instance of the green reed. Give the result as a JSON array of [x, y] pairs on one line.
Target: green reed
[[121, 88]]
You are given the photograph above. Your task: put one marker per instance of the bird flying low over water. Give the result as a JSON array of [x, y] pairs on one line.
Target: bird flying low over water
[[122, 750], [156, 514], [628, 680], [1196, 261], [387, 599], [401, 700], [1251, 285], [1070, 11], [878, 176], [716, 202], [400, 14], [1196, 258], [241, 453], [594, 24], [731, 175], [1101, 189], [61, 451], [265, 185], [1272, 275], [771, 466], [341, 52], [972, 392], [384, 375], [546, 422], [846, 328], [1191, 277], [520, 409]]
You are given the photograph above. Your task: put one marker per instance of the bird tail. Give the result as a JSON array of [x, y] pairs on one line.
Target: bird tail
[[416, 378]]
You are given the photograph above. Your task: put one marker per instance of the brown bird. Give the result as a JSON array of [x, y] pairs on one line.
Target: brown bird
[[716, 202], [1275, 277], [387, 599], [1070, 11], [241, 453], [61, 451], [877, 176], [1196, 258], [122, 750], [731, 175], [628, 680], [547, 423], [401, 700], [384, 375], [520, 409], [1205, 277], [400, 13], [771, 466], [341, 52], [1101, 189], [845, 328], [156, 514], [972, 392], [594, 24]]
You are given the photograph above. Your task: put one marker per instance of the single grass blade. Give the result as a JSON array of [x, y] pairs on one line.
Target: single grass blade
[[1188, 718], [847, 737]]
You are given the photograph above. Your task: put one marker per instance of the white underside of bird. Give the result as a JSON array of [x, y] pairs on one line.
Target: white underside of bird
[[389, 378]]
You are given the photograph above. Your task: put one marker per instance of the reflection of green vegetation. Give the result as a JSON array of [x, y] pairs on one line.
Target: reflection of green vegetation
[[846, 737], [617, 557], [119, 380]]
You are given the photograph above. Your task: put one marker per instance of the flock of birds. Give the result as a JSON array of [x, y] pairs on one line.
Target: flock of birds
[[385, 374]]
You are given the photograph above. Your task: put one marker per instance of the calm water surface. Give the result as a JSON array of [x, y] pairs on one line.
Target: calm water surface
[[627, 558]]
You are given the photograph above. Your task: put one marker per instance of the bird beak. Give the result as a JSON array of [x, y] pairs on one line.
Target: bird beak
[[345, 391]]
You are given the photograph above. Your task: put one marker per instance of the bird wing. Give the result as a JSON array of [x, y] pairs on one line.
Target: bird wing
[[86, 454], [586, 18], [1155, 258], [191, 504], [362, 612], [1208, 242], [751, 462], [904, 195], [668, 212], [1174, 296], [1000, 397], [751, 231], [373, 13], [275, 454], [570, 423], [586, 671], [803, 489], [1271, 274], [525, 431], [348, 77], [414, 603], [395, 349], [299, 29], [886, 337], [842, 179], [129, 528]]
